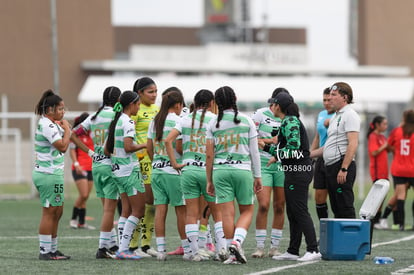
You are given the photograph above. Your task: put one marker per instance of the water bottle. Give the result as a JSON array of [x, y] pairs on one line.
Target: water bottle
[[383, 260]]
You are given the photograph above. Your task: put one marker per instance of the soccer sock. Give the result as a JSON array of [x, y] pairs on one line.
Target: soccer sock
[[387, 211], [104, 239], [322, 210], [135, 237], [45, 243], [394, 217], [121, 224], [412, 211], [209, 239], [191, 230], [228, 242], [119, 207], [129, 228], [240, 235], [186, 246], [54, 246], [220, 239], [147, 226], [275, 237], [160, 244], [377, 217], [114, 238], [401, 212], [202, 236], [75, 213], [82, 214], [260, 237]]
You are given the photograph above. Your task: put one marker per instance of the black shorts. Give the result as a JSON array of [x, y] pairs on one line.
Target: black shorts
[[87, 176], [403, 180], [319, 176]]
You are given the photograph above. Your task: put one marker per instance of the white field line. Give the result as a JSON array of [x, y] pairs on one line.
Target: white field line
[[280, 268], [408, 270]]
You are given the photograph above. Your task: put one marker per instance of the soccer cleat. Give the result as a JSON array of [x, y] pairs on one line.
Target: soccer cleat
[[60, 254], [211, 247], [187, 257], [178, 251], [310, 256], [73, 224], [377, 226], [231, 260], [161, 256], [52, 257], [383, 223], [127, 255], [237, 251], [259, 253], [114, 249], [104, 253], [223, 254], [199, 258], [206, 252], [86, 226], [273, 251], [286, 257], [400, 227], [141, 253], [147, 249]]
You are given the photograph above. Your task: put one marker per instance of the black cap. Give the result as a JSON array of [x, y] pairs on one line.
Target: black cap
[[283, 99]]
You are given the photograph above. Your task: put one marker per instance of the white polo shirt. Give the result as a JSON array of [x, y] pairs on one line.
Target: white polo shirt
[[345, 120]]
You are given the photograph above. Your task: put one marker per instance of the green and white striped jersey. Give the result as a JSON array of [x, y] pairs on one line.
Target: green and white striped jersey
[[122, 162], [99, 133], [266, 123], [48, 159], [231, 141], [161, 161], [194, 139]]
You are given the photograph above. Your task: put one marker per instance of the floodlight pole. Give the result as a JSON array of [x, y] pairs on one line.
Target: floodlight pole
[[55, 58]]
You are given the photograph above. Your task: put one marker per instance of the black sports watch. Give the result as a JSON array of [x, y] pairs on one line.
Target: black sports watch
[[343, 169]]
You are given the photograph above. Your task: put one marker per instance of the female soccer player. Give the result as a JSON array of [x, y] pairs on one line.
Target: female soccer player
[[121, 146], [165, 180], [192, 128], [233, 152], [51, 142]]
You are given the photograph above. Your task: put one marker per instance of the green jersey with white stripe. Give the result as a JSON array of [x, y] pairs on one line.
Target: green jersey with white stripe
[[194, 139], [99, 133], [123, 163], [161, 161], [266, 124], [231, 141], [48, 159]]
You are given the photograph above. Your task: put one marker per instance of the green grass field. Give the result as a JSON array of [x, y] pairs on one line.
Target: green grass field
[[19, 248]]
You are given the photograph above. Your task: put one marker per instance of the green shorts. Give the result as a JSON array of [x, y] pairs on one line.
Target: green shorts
[[194, 183], [104, 182], [233, 183], [51, 188], [131, 184], [167, 189], [146, 170], [273, 178]]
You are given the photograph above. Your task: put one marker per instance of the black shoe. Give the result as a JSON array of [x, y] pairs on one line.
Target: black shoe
[[132, 249], [60, 254], [104, 253], [145, 248], [114, 248], [51, 256]]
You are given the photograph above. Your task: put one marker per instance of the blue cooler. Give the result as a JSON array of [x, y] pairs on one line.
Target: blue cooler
[[344, 239]]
